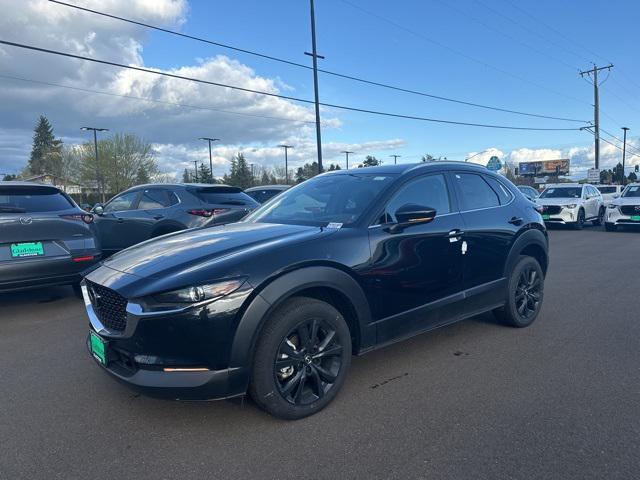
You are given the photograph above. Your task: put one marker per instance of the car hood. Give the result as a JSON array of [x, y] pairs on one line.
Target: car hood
[[191, 249], [558, 201]]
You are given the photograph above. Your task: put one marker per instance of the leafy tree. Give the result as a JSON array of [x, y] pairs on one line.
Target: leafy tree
[[606, 176], [632, 177], [333, 167], [307, 171], [428, 158], [618, 173], [370, 161], [9, 177], [46, 149]]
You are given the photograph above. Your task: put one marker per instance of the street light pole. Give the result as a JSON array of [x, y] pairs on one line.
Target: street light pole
[[346, 152], [395, 158], [286, 162], [208, 139], [624, 152], [95, 145]]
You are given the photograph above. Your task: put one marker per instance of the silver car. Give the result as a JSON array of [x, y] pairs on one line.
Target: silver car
[[45, 238]]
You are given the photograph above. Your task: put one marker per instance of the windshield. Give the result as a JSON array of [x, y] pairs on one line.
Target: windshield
[[322, 200], [632, 191], [26, 199], [562, 192]]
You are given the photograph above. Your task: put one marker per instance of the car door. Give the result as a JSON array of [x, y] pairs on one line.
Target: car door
[[416, 267], [153, 207], [590, 202], [110, 223], [491, 221]]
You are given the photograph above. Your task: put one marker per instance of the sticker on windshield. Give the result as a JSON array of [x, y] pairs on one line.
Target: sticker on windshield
[[334, 225], [377, 179], [633, 189]]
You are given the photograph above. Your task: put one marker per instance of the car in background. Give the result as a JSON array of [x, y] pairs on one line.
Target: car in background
[[342, 263], [45, 238], [609, 192], [624, 210], [529, 192], [148, 211], [265, 192], [571, 204]]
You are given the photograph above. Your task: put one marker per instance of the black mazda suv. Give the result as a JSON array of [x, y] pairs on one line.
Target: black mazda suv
[[344, 263]]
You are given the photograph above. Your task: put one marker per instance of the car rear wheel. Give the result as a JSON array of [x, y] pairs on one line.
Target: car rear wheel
[[600, 220], [525, 292], [579, 225], [301, 359]]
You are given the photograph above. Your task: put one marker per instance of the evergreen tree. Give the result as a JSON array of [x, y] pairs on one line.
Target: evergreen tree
[[370, 161], [240, 174], [204, 174], [186, 176], [46, 149]]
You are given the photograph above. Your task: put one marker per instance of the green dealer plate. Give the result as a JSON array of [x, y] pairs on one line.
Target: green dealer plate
[[545, 217], [98, 348], [635, 218], [30, 249]]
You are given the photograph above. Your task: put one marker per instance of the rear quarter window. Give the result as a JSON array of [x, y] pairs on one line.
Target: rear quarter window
[[28, 199]]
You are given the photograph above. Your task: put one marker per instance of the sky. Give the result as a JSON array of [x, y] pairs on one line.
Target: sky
[[510, 54]]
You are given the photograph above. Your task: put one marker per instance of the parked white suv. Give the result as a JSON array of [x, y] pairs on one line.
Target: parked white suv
[[609, 192], [624, 210], [572, 204]]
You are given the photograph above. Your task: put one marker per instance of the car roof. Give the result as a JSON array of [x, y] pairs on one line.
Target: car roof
[[267, 187], [18, 183], [404, 168], [180, 185]]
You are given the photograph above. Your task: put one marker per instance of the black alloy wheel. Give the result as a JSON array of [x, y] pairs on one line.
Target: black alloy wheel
[[301, 359], [524, 294], [308, 362], [528, 292]]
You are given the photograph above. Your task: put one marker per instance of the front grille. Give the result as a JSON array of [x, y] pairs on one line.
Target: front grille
[[109, 306], [630, 209], [551, 209]]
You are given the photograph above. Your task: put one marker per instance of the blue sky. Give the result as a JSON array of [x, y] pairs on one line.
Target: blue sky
[[484, 51]]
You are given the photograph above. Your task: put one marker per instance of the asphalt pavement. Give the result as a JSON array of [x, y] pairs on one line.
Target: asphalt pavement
[[558, 400]]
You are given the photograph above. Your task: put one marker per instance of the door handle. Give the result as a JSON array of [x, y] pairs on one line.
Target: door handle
[[158, 217], [515, 220], [454, 235], [120, 220]]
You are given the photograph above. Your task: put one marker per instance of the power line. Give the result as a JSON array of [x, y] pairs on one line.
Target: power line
[[153, 100], [326, 72], [285, 97], [459, 53]]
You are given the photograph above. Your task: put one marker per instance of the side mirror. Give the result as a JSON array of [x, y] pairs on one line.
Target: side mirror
[[98, 209], [617, 195], [412, 214]]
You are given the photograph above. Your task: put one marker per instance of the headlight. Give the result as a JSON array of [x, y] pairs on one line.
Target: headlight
[[570, 207], [612, 206]]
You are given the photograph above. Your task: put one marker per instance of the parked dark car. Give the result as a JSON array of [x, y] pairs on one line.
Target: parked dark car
[[341, 264], [264, 193], [45, 238], [148, 211]]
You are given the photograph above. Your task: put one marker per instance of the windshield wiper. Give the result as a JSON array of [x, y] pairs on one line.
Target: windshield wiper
[[12, 209]]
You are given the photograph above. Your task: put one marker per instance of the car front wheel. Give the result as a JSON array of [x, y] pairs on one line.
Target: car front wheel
[[301, 359], [525, 292], [579, 225], [600, 219]]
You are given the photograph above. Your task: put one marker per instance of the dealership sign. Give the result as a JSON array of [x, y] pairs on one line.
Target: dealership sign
[[545, 167]]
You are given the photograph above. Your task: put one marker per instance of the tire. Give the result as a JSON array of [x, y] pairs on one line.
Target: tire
[[610, 227], [579, 224], [600, 220], [310, 372], [77, 291], [523, 307]]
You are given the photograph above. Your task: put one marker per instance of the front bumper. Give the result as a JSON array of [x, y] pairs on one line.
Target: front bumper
[[182, 356], [614, 216], [564, 217]]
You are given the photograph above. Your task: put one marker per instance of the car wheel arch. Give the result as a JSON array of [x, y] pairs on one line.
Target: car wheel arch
[[317, 281], [166, 227], [531, 242]]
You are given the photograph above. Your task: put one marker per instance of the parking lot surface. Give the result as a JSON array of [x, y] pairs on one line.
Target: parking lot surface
[[560, 399]]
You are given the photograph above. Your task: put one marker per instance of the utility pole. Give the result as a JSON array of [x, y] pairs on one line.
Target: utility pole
[[315, 56], [95, 145], [593, 74], [286, 162], [395, 158], [346, 152], [210, 159], [624, 152], [195, 169]]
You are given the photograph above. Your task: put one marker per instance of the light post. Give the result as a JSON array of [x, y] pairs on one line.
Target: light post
[[395, 158], [624, 152], [208, 139], [95, 145], [346, 153], [286, 162]]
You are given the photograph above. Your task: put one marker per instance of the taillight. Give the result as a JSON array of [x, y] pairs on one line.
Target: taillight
[[79, 217], [220, 211], [83, 259], [200, 212]]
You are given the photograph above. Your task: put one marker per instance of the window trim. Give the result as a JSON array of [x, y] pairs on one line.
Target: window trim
[[480, 174], [452, 204]]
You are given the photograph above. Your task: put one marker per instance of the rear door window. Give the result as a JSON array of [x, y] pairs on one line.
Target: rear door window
[[474, 192], [19, 199], [154, 198], [223, 195]]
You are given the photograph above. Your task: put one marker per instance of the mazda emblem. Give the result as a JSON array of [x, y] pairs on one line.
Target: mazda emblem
[[637, 208], [26, 220]]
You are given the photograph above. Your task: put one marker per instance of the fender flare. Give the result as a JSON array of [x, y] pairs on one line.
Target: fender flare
[[278, 290], [531, 236]]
